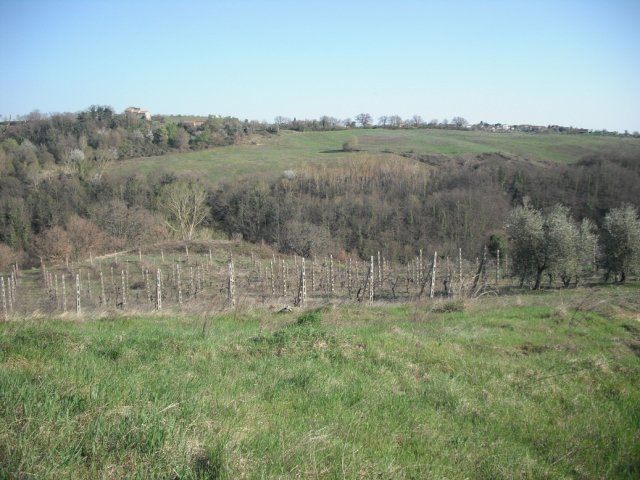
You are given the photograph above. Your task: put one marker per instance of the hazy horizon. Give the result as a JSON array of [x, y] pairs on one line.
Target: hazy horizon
[[572, 64]]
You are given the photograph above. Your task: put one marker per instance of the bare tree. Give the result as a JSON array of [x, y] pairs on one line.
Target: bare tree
[[103, 158], [281, 121], [459, 122], [364, 119], [395, 121], [185, 206]]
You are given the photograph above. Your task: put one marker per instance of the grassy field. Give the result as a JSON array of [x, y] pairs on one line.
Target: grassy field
[[272, 155], [531, 386]]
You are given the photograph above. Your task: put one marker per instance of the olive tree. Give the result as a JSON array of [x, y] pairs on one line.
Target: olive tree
[[622, 242], [561, 245], [551, 243], [525, 227]]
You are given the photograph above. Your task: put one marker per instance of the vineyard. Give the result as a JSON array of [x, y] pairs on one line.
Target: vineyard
[[222, 275]]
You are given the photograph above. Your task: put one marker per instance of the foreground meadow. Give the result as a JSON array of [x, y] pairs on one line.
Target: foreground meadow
[[531, 386]]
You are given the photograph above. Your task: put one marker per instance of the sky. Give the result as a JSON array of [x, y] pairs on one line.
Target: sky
[[572, 63]]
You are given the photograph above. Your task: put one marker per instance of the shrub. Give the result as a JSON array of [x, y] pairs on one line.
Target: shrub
[[350, 145]]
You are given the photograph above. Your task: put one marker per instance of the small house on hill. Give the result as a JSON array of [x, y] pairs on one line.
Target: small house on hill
[[138, 112]]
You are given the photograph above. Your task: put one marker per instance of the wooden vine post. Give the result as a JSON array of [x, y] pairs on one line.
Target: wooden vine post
[[64, 295], [179, 284], [158, 290], [124, 290], [370, 280], [447, 279], [273, 279], [349, 279], [284, 278], [302, 287], [12, 294], [5, 315], [78, 308], [460, 271], [231, 286], [57, 295], [433, 275], [331, 276], [103, 298]]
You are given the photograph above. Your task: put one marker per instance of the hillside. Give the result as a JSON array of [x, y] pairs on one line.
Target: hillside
[[400, 191], [272, 154]]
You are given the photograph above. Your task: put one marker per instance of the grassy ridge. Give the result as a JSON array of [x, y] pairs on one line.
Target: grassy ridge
[[511, 387], [272, 155]]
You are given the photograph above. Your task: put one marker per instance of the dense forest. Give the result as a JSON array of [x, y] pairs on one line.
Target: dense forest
[[368, 205], [58, 200]]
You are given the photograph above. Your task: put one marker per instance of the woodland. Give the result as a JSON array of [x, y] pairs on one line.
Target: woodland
[[59, 198]]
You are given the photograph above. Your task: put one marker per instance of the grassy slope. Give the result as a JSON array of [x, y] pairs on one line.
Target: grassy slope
[[273, 155], [513, 387]]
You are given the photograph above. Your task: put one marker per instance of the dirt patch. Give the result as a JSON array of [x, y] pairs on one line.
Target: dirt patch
[[530, 349]]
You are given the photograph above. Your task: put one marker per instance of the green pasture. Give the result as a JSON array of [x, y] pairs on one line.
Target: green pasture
[[272, 154]]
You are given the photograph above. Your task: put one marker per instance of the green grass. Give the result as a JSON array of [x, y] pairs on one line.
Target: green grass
[[514, 387], [272, 155]]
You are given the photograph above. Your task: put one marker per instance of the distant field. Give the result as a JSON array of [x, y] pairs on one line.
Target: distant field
[[272, 155], [528, 386]]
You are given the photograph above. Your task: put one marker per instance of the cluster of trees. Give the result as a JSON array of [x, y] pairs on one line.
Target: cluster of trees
[[86, 142], [552, 243], [67, 216]]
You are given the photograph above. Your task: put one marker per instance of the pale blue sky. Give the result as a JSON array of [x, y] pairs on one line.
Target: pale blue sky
[[542, 62]]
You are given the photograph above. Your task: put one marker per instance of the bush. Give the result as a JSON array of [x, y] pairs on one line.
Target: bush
[[350, 145]]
